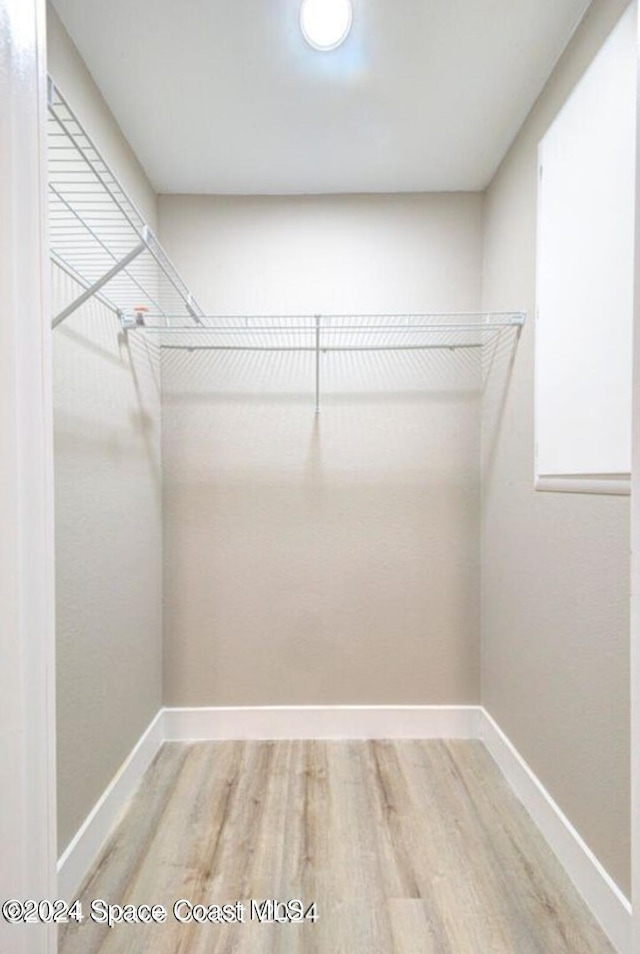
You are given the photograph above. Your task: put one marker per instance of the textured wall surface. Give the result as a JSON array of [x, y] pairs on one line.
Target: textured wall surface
[[555, 592], [108, 508], [330, 559]]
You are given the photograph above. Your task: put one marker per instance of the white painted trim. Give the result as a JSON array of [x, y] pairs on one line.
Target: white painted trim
[[635, 552], [323, 722], [77, 859], [250, 722], [617, 484], [27, 605], [605, 900]]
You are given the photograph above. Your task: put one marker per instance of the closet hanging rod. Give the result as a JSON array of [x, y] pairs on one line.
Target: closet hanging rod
[[322, 348], [205, 330], [498, 318]]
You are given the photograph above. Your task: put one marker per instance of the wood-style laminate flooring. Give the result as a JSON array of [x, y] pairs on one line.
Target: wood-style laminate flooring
[[406, 847]]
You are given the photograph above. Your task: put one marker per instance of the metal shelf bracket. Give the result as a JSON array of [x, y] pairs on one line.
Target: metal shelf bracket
[[91, 290]]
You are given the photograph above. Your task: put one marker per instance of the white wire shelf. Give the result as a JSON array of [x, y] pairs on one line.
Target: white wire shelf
[[98, 237], [336, 332], [322, 334]]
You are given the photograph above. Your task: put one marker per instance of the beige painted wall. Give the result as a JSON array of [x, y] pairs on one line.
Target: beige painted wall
[[555, 595], [108, 506], [330, 559]]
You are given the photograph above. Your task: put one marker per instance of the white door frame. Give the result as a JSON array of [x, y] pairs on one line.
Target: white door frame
[[635, 564], [27, 605]]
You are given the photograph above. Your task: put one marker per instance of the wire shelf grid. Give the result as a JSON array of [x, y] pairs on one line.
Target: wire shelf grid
[[98, 236], [338, 332], [100, 239]]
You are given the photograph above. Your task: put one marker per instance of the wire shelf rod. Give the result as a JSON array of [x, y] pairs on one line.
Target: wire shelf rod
[[323, 348], [499, 317], [335, 330]]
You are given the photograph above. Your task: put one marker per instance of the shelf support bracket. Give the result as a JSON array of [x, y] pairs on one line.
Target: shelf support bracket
[[318, 319], [71, 272], [91, 290], [192, 311]]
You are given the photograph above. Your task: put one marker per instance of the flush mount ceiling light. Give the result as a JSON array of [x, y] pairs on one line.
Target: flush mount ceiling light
[[325, 24]]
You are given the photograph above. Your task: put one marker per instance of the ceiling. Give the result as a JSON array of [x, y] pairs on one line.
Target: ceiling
[[225, 96]]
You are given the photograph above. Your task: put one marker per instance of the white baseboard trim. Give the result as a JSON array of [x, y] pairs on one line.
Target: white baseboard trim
[[605, 900], [77, 859], [323, 722]]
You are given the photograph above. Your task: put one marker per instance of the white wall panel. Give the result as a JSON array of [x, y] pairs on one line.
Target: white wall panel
[[585, 269]]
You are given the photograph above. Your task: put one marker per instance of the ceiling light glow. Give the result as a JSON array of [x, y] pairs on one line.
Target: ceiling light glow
[[325, 24]]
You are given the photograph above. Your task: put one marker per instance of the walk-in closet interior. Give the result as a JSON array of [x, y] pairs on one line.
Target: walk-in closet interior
[[342, 403]]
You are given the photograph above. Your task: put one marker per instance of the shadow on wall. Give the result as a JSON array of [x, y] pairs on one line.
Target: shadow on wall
[[498, 361], [214, 376], [106, 389]]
